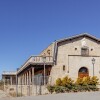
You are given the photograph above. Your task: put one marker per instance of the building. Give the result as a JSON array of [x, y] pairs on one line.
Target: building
[[76, 56], [9, 77]]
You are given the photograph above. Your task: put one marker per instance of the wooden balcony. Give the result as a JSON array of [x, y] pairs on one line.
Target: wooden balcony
[[9, 73], [37, 60]]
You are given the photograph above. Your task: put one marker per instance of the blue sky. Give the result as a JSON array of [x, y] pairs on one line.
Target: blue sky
[[29, 26]]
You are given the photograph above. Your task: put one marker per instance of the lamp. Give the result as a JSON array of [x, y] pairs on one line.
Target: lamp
[[93, 62]]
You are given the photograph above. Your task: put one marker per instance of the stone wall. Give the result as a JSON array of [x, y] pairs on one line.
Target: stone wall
[[26, 90], [48, 51], [69, 55]]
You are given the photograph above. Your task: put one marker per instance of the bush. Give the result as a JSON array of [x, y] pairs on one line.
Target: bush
[[94, 80], [51, 88], [93, 88], [87, 80], [75, 88], [61, 89], [59, 82], [79, 81], [68, 85], [58, 89], [67, 82]]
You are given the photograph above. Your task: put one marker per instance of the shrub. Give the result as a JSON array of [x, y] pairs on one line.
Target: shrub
[[61, 89], [79, 81], [68, 85], [94, 80], [75, 88], [58, 89], [93, 88], [87, 83], [51, 88], [65, 89], [85, 88], [59, 82], [67, 82], [87, 80]]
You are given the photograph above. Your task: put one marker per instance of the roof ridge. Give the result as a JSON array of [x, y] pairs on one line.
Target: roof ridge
[[78, 35]]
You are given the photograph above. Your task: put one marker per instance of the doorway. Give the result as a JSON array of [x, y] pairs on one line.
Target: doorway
[[83, 72]]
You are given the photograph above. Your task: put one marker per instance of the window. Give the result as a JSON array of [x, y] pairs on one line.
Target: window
[[63, 67], [84, 51], [83, 70]]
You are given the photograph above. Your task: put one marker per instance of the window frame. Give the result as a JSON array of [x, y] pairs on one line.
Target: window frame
[[85, 51]]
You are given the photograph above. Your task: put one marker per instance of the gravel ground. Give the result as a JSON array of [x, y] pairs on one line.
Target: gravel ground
[[3, 95], [64, 96]]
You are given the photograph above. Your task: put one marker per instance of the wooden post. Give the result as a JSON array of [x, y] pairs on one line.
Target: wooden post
[[32, 75], [4, 82], [11, 80]]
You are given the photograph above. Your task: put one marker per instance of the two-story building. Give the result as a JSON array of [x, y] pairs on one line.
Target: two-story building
[[76, 56]]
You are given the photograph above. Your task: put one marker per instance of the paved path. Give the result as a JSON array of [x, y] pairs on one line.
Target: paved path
[[64, 96]]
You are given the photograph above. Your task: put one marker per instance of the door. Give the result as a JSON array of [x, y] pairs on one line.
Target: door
[[83, 72]]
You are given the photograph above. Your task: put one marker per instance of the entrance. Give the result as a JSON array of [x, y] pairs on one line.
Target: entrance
[[83, 72]]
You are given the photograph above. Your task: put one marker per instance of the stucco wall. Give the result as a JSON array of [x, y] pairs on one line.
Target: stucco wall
[[75, 61], [48, 51]]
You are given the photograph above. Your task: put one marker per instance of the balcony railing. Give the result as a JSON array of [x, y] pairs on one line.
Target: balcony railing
[[39, 59], [8, 73]]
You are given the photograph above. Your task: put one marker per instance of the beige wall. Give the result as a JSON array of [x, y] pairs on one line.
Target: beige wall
[[74, 63], [48, 51]]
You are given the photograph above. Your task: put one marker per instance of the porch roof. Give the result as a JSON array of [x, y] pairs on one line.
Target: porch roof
[[36, 60], [9, 73]]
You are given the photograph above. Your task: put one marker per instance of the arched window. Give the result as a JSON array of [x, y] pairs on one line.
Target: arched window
[[83, 72]]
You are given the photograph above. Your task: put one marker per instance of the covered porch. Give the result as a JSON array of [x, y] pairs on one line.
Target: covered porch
[[35, 71]]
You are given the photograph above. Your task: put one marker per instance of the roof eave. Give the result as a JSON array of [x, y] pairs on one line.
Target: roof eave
[[80, 35]]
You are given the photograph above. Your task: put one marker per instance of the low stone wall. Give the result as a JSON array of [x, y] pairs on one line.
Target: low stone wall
[[26, 90]]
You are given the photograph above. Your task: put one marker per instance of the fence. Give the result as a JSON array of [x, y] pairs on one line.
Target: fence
[[37, 87]]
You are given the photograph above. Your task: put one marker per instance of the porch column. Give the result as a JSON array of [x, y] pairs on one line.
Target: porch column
[[11, 80], [33, 75], [29, 77], [22, 79], [25, 78], [4, 82], [18, 80]]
